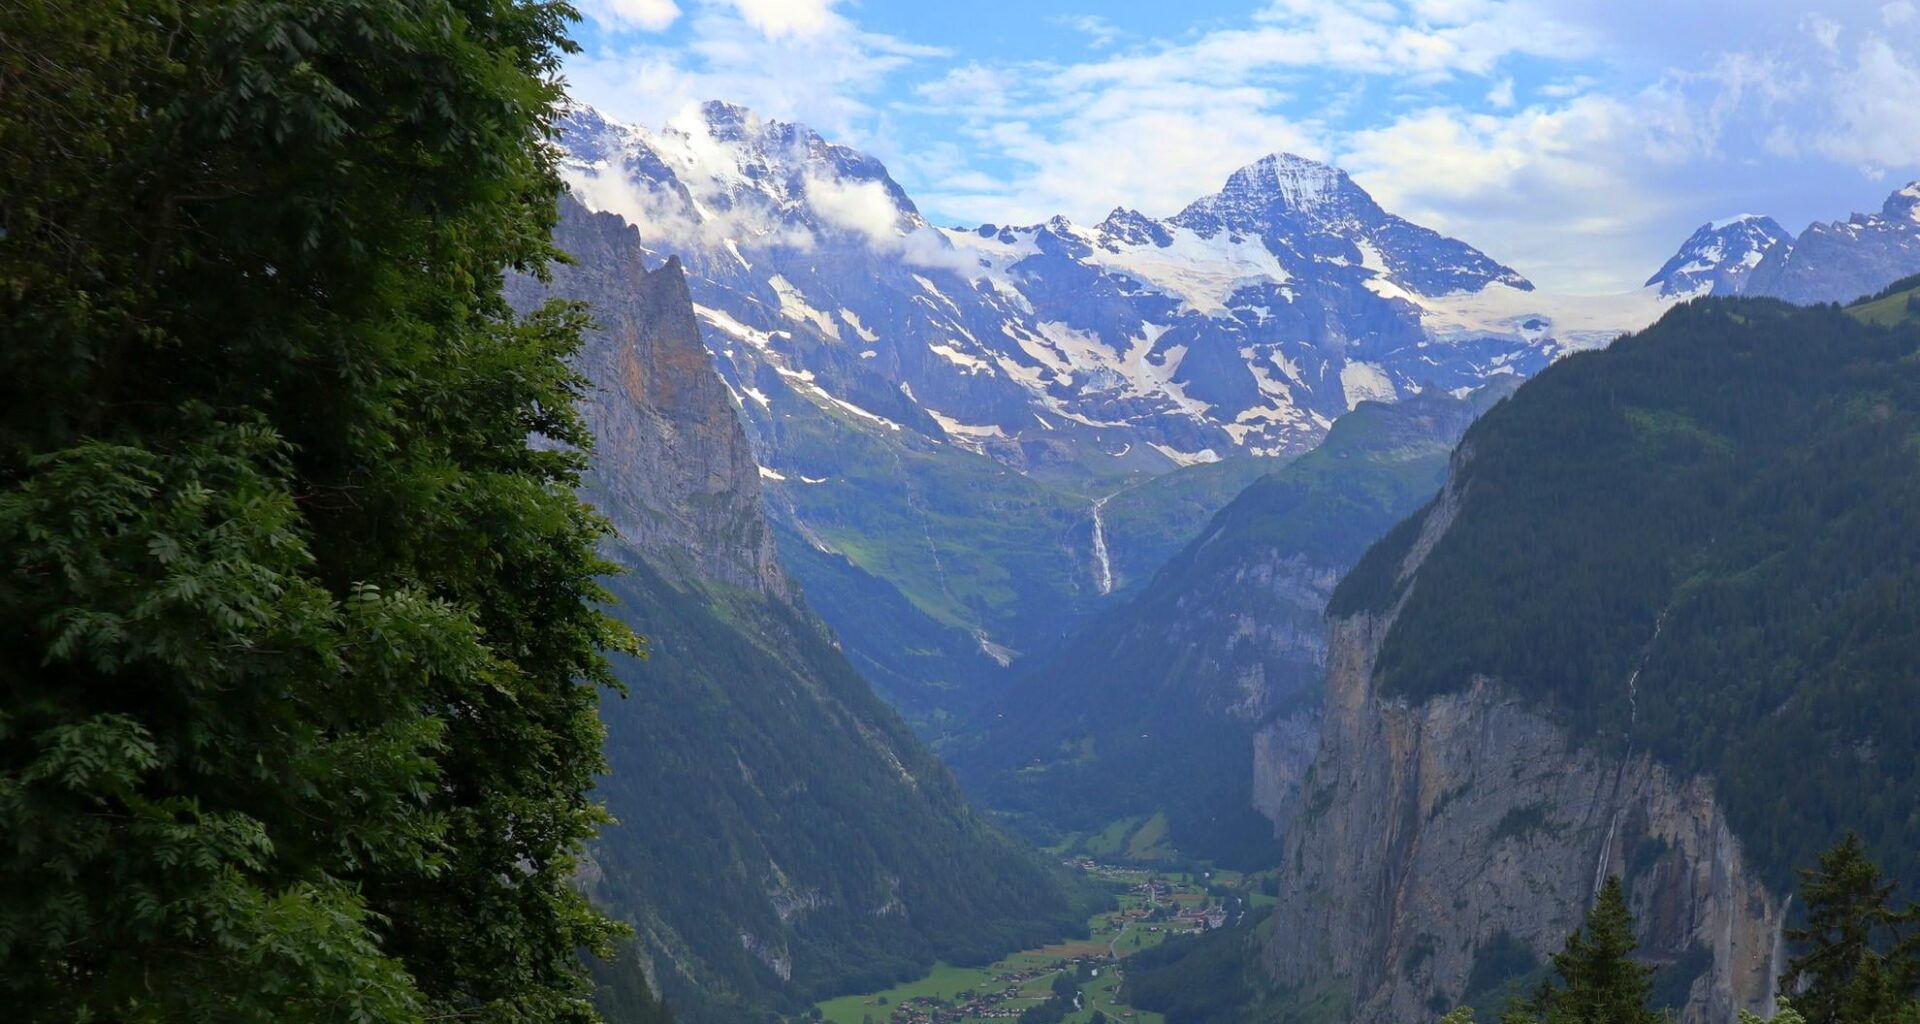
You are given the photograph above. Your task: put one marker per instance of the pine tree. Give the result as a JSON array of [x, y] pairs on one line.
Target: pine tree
[[1600, 982], [297, 704], [1846, 903]]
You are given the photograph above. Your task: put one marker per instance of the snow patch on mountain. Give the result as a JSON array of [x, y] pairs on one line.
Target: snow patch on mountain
[[1365, 382]]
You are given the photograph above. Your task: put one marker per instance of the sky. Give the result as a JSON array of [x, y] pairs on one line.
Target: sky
[[1579, 141]]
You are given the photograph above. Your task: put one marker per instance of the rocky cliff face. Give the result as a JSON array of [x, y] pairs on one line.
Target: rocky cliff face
[[1844, 260], [672, 467], [1443, 849]]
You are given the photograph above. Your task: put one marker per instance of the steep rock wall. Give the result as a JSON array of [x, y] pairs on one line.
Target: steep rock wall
[[1425, 837]]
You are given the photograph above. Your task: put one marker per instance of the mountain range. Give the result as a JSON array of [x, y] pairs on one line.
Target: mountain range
[[963, 431], [974, 450], [1137, 738], [1838, 261]]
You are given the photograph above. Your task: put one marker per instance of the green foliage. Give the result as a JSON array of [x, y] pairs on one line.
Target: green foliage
[[1673, 984], [299, 696], [1784, 1014], [1214, 977], [1854, 965], [934, 546], [1725, 504], [1503, 968], [1523, 821], [1599, 981], [1897, 303]]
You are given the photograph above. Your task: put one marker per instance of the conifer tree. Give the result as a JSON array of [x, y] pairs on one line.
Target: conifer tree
[[1599, 981], [1854, 965], [1846, 915]]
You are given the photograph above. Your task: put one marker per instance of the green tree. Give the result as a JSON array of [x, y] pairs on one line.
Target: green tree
[[297, 704], [1786, 1014], [1839, 966], [1599, 981]]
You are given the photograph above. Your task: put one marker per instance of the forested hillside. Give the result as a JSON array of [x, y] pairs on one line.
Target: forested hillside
[[785, 838], [1703, 542]]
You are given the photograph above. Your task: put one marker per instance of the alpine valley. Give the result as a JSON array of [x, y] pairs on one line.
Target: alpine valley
[[969, 436], [472, 559], [1075, 501]]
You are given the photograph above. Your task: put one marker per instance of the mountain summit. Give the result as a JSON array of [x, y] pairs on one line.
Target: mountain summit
[[1829, 262], [1308, 208], [1718, 258]]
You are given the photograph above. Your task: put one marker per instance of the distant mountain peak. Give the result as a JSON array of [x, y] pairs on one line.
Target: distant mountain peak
[[1301, 183], [1131, 227], [1719, 256], [1279, 187], [1904, 203], [1841, 260]]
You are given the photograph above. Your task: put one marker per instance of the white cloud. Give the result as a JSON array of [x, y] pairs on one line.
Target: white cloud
[[1563, 193], [1875, 110], [647, 15], [1157, 126], [1825, 31], [823, 78], [862, 207], [1575, 139], [1154, 144], [1100, 32], [780, 18]]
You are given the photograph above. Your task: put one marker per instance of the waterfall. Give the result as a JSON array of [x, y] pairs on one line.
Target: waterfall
[[1606, 853], [1633, 679], [1102, 568], [1779, 959]]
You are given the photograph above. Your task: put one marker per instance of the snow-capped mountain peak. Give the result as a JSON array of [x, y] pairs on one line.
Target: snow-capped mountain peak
[[1280, 187], [1719, 256], [1294, 181], [1248, 321], [1836, 261], [1904, 203], [1308, 212]]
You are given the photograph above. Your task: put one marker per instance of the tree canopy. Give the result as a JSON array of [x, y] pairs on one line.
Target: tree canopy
[[1857, 962], [297, 704]]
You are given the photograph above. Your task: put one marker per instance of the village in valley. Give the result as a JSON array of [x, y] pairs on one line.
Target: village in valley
[[1075, 982]]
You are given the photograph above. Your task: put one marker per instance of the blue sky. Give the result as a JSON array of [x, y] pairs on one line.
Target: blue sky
[[1578, 140]]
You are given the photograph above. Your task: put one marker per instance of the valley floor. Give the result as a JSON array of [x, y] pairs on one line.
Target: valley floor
[[1152, 906]]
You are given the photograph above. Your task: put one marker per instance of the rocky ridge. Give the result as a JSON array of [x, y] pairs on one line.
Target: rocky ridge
[[1837, 261]]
